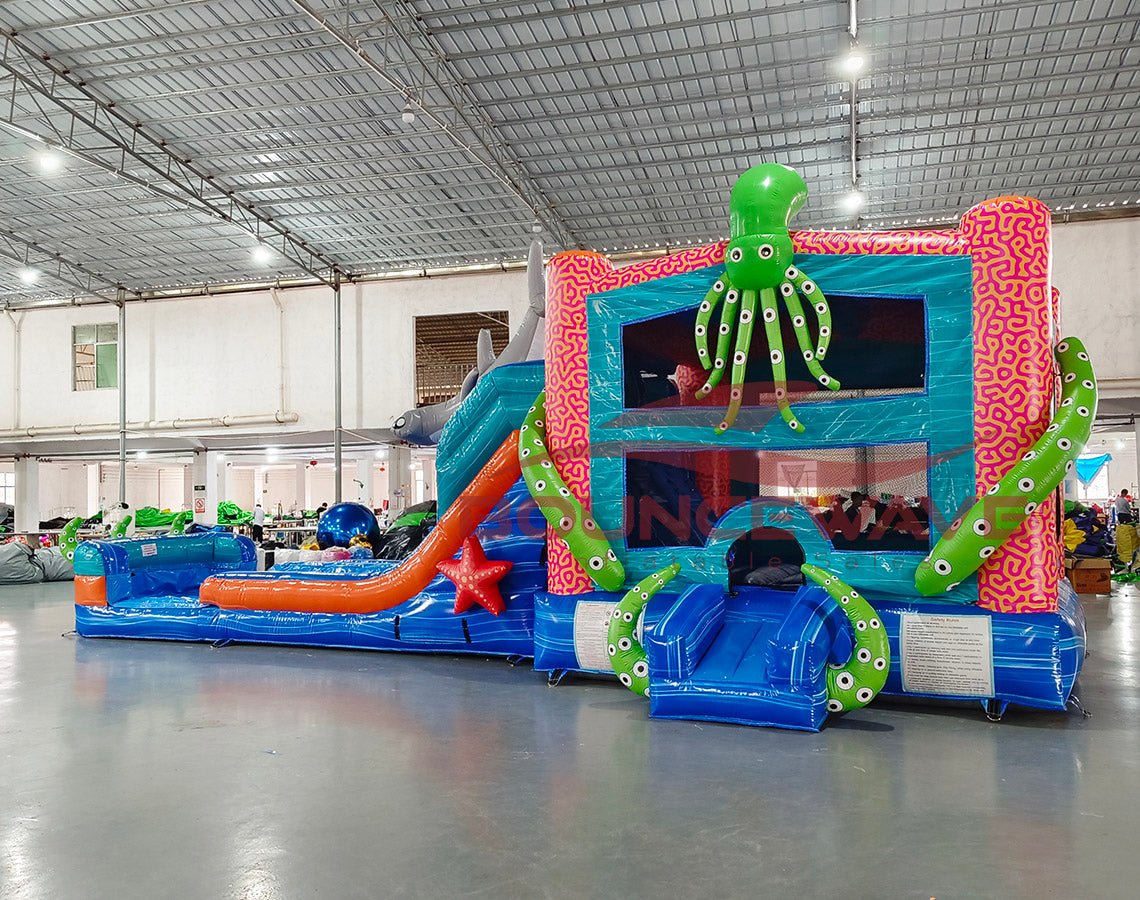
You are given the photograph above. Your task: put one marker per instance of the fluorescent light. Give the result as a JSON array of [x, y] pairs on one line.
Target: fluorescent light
[[853, 62], [140, 454], [408, 116], [29, 275], [853, 200], [262, 255], [51, 161], [272, 453]]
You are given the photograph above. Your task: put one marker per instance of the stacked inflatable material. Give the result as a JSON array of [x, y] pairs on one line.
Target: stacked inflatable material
[[22, 564]]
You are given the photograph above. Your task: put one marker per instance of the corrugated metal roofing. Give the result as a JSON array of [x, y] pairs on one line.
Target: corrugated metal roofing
[[620, 124]]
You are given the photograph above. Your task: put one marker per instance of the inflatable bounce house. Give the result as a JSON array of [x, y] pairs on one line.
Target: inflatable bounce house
[[760, 482]]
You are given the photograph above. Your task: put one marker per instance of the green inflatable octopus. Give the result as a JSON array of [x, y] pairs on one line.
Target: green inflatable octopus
[[566, 515], [626, 653], [974, 538], [854, 683], [758, 264]]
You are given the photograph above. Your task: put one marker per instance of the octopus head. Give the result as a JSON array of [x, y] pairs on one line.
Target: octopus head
[[757, 261]]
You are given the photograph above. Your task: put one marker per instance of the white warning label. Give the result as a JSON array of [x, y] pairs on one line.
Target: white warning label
[[591, 627], [149, 549], [950, 655]]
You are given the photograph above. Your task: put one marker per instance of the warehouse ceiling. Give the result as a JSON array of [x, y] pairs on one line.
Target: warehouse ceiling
[[154, 144]]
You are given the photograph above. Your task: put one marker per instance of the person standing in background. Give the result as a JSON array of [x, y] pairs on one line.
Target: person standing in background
[[258, 527], [1123, 507]]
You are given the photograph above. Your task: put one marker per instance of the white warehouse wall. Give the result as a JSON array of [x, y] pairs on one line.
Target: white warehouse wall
[[217, 356]]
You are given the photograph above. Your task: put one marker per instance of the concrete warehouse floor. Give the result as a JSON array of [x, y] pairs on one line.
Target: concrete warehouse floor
[[135, 769]]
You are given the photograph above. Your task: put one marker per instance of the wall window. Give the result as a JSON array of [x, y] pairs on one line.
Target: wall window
[[447, 350], [8, 487], [95, 356]]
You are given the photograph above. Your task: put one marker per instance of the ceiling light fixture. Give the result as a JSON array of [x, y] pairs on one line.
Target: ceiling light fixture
[[29, 275], [51, 161], [536, 227], [853, 62], [853, 201], [408, 116], [262, 255]]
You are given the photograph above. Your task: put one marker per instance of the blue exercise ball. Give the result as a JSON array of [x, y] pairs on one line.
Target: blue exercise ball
[[341, 523]]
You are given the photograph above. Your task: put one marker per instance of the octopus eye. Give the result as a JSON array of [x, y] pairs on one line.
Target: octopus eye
[[565, 523], [792, 272], [611, 556], [981, 527], [765, 251], [834, 706], [700, 329], [1029, 507], [564, 492], [986, 552], [705, 306], [718, 287], [994, 489], [824, 330], [825, 380], [1069, 466], [1084, 357], [845, 681], [627, 617], [1068, 401], [736, 255], [745, 316], [880, 663], [1083, 411], [724, 329], [864, 695], [739, 359], [641, 668], [596, 563], [1032, 454], [799, 321], [547, 464], [613, 650], [589, 524], [1052, 428], [540, 485], [777, 356], [956, 524], [786, 289], [1088, 385], [1064, 443], [942, 567], [808, 287], [1063, 346], [625, 679], [769, 314], [808, 355], [864, 655], [1026, 485], [1071, 377], [821, 308], [719, 364]]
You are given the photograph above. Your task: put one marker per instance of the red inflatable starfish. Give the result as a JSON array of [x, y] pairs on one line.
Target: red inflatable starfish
[[476, 578]]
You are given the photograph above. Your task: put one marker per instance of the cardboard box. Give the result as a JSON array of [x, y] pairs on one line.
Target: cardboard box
[[1089, 576]]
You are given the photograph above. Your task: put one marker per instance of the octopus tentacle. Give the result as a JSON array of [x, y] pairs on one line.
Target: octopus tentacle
[[627, 656], [854, 683], [570, 520], [704, 317], [975, 537], [746, 321], [771, 316], [724, 338], [818, 301], [799, 323]]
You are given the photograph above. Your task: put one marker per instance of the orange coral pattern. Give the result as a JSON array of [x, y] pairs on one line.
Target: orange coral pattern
[[1014, 387]]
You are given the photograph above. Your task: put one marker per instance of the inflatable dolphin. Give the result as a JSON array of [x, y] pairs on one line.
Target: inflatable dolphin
[[423, 425]]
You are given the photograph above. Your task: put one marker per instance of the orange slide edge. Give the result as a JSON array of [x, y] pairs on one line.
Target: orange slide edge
[[396, 586]]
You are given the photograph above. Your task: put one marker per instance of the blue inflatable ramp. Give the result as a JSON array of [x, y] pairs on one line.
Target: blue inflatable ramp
[[495, 407], [757, 657]]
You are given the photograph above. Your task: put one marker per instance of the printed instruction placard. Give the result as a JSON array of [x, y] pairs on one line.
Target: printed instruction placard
[[591, 634], [950, 655], [149, 549]]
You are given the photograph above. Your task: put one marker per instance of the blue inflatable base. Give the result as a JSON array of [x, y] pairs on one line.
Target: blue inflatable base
[[757, 656]]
